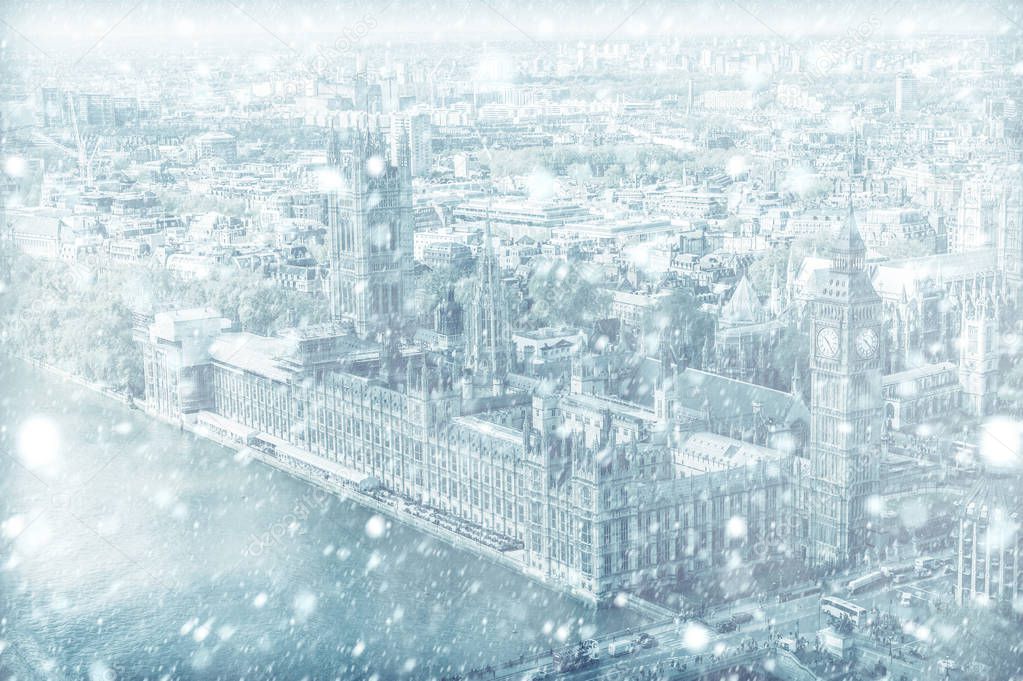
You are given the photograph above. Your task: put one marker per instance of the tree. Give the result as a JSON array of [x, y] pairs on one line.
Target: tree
[[99, 342], [1010, 391], [434, 284], [81, 321], [580, 172], [777, 259], [565, 293], [679, 318], [259, 306], [263, 309], [789, 349], [73, 320], [762, 271]]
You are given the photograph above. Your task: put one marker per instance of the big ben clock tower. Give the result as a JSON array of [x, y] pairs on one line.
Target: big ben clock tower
[[846, 405]]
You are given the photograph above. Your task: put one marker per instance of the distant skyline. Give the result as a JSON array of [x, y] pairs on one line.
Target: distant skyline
[[297, 24]]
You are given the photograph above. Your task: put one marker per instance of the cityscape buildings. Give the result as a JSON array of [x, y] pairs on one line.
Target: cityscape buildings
[[703, 328]]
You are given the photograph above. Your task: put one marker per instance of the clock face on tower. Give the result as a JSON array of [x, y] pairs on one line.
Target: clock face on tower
[[827, 342], [866, 343]]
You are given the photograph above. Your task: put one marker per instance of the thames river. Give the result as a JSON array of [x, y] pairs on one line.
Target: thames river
[[131, 550]]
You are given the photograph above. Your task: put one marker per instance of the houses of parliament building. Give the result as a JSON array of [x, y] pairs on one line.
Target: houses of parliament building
[[591, 490]]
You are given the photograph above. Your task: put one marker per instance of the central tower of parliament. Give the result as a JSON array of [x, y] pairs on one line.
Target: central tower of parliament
[[369, 231]]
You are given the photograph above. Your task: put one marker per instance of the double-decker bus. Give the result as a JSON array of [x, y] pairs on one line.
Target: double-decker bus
[[839, 609]]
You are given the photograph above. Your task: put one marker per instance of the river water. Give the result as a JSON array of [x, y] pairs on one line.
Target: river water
[[130, 550]]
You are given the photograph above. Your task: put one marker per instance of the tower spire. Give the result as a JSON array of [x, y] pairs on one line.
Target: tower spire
[[776, 293], [852, 170], [666, 356], [333, 146], [488, 272], [488, 333], [707, 354], [797, 381], [790, 275], [849, 251]]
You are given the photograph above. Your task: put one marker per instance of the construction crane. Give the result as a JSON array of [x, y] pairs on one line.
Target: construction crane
[[85, 148]]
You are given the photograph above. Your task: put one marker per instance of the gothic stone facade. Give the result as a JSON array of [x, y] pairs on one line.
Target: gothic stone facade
[[598, 500]]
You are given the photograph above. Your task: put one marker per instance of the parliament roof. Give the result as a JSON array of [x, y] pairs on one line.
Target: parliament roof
[[723, 398], [744, 306], [705, 452]]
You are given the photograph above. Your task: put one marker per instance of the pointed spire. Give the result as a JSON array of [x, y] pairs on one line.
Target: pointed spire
[[797, 381], [776, 303], [857, 159], [708, 353], [487, 235], [491, 289], [790, 274], [744, 306], [333, 146], [849, 251], [488, 336], [608, 433], [997, 296], [666, 358]]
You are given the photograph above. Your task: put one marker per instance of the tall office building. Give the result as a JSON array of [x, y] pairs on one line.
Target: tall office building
[[414, 131], [54, 107], [1009, 232], [905, 93], [95, 109], [990, 543], [846, 404], [370, 224]]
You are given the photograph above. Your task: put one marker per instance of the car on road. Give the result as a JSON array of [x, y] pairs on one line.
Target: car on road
[[725, 626], [619, 648], [645, 640], [730, 624], [905, 599], [788, 643], [741, 618]]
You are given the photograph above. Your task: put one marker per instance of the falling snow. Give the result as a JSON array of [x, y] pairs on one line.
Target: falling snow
[[500, 340]]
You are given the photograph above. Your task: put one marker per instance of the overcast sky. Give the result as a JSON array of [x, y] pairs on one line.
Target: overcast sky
[[540, 20]]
